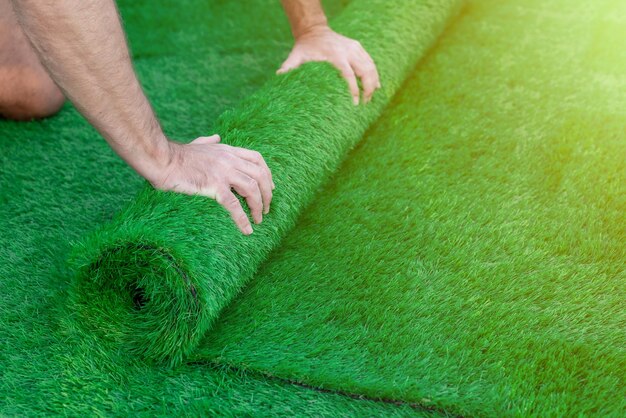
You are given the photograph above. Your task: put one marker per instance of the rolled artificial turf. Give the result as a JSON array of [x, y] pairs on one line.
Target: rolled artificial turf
[[153, 280], [467, 256], [60, 180]]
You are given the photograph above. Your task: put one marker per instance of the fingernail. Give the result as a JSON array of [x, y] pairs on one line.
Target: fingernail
[[355, 100], [267, 210], [248, 230]]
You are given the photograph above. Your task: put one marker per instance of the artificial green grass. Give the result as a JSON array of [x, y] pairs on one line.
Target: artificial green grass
[[154, 280], [470, 253], [59, 180], [468, 256]]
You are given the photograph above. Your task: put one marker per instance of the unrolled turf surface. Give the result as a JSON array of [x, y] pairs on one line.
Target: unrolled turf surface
[[468, 256]]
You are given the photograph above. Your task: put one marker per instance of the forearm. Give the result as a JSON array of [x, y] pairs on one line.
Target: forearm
[[304, 15], [83, 47]]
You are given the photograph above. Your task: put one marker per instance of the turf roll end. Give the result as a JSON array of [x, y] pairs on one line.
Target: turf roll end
[[154, 279], [144, 301]]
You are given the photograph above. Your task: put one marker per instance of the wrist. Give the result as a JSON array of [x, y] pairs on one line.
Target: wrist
[[306, 29], [156, 162]]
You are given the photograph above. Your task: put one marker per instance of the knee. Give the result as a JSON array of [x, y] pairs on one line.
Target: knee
[[31, 95]]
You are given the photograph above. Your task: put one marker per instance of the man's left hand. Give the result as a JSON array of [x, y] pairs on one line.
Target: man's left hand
[[321, 43]]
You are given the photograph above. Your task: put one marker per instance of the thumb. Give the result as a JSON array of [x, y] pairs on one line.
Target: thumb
[[206, 140], [292, 62]]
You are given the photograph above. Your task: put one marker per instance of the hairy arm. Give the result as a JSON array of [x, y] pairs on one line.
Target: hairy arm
[[315, 41], [83, 46]]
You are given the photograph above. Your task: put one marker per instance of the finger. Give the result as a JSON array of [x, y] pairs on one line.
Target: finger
[[205, 140], [248, 187], [366, 71], [293, 61], [369, 59], [348, 74], [255, 157], [229, 201], [263, 181]]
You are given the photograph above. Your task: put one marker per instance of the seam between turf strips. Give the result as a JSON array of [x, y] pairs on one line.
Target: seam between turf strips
[[260, 373]]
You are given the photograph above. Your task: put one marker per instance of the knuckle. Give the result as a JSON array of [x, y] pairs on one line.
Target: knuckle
[[251, 184], [231, 201], [223, 185], [254, 202], [226, 159], [255, 170], [257, 156]]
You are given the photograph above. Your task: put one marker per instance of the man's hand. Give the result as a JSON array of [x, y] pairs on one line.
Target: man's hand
[[211, 169], [321, 43], [83, 48], [315, 41]]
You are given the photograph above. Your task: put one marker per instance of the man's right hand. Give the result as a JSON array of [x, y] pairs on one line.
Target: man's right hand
[[83, 48], [206, 167]]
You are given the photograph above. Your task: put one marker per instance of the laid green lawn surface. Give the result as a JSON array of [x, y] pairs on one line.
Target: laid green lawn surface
[[59, 180], [470, 254]]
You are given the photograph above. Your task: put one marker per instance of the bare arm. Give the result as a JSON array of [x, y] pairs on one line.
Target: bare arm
[[82, 45], [304, 15], [315, 41]]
